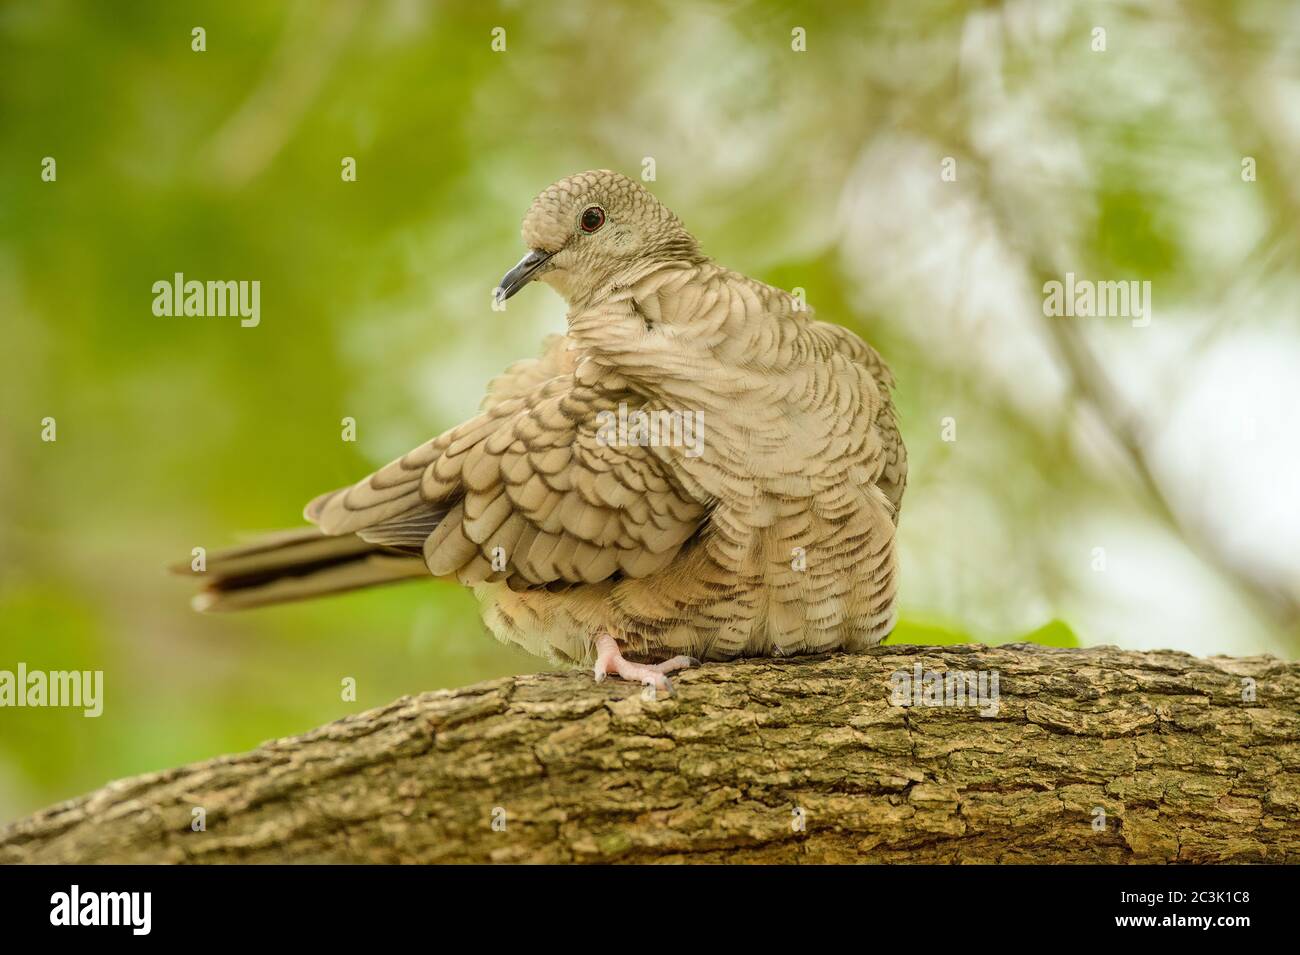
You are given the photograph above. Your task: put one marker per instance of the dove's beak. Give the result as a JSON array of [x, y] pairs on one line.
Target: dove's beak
[[522, 273]]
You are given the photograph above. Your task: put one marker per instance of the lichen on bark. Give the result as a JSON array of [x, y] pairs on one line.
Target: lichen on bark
[[1095, 755]]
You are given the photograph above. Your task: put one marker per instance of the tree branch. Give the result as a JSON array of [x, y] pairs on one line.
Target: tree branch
[[1184, 768]]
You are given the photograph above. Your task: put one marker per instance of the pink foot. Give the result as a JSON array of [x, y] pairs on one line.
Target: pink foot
[[610, 660]]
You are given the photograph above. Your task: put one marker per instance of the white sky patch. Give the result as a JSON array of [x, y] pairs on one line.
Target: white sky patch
[[924, 256], [1234, 441], [1153, 595]]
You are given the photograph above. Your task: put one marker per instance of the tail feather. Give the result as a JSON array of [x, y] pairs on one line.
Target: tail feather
[[296, 565]]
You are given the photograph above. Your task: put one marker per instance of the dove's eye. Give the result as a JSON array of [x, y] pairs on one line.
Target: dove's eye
[[593, 217]]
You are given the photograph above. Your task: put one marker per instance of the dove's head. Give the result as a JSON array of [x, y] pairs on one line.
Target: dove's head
[[595, 230]]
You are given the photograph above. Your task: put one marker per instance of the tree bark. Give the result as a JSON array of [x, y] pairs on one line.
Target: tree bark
[[1097, 755]]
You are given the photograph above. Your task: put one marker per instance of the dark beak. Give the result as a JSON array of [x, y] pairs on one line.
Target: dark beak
[[522, 273]]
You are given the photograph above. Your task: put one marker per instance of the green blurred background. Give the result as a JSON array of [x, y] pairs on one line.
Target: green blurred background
[[1170, 448]]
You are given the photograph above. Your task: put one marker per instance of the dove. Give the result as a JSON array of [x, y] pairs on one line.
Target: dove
[[696, 470]]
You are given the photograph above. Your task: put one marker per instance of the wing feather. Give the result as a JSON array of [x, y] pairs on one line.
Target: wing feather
[[529, 475]]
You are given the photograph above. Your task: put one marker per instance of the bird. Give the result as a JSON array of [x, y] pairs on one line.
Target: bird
[[697, 469]]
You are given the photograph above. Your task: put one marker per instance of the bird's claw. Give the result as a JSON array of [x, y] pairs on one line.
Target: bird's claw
[[609, 660]]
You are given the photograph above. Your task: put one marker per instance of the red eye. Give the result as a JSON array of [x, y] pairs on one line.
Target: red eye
[[592, 218]]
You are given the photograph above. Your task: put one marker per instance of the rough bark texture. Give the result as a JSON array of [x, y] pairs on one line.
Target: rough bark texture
[[1185, 769]]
